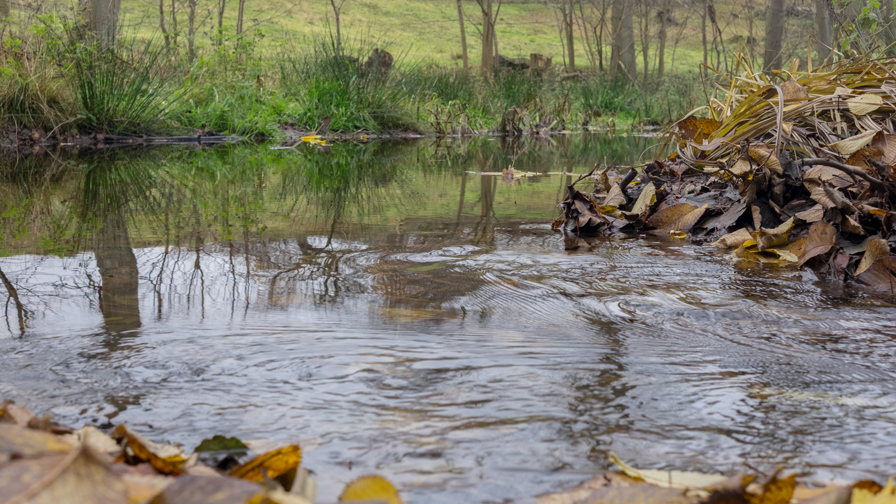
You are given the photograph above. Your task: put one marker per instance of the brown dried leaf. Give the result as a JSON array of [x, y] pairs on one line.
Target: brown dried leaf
[[734, 240], [886, 143], [793, 90], [697, 129], [874, 251], [763, 156], [822, 236], [16, 441], [851, 225], [821, 173], [164, 462], [668, 215], [645, 199], [208, 490], [74, 478], [10, 412], [813, 214], [881, 276], [615, 197]]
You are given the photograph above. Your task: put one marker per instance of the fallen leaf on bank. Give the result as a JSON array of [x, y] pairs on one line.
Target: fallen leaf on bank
[[645, 199], [775, 491], [96, 439], [764, 156], [165, 459], [697, 129], [77, 477], [209, 490], [669, 479], [821, 238], [270, 464], [864, 103], [17, 442], [854, 143], [881, 276], [874, 251], [811, 215], [370, 488], [885, 495]]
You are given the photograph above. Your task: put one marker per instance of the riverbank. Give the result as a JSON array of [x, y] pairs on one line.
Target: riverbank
[[63, 89]]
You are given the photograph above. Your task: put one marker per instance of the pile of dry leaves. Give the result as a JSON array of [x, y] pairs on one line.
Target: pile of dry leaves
[[795, 173], [42, 462], [634, 486]]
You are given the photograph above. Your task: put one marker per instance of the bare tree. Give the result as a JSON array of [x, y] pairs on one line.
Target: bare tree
[[463, 34], [597, 22], [101, 17], [823, 20], [663, 18], [489, 37], [162, 26], [241, 9], [703, 33], [567, 12], [219, 38], [174, 23], [622, 57], [337, 12], [191, 29], [774, 35], [644, 6]]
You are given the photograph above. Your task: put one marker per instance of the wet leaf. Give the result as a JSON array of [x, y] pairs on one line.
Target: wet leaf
[[822, 236], [270, 464], [13, 413], [885, 496], [854, 143], [669, 479], [164, 459], [77, 477], [735, 239], [667, 216], [730, 216], [785, 227], [775, 491], [880, 276], [864, 104], [615, 197], [645, 199], [370, 487]]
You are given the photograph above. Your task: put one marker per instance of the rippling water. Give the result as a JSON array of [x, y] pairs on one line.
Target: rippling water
[[425, 323]]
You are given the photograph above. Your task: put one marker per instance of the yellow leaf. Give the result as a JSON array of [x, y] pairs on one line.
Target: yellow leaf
[[775, 491], [669, 479], [864, 496], [270, 464], [645, 199], [734, 240], [172, 464], [369, 488], [854, 143], [677, 235], [864, 104], [311, 138]]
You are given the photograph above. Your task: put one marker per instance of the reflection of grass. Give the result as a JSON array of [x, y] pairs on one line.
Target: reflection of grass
[[225, 193]]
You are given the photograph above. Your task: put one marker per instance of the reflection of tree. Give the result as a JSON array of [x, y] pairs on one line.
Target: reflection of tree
[[14, 297], [118, 269]]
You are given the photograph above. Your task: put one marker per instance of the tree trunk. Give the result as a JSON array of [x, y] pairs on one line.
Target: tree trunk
[[703, 32], [645, 36], [774, 35], [568, 27], [622, 57], [488, 35], [162, 27], [337, 10], [888, 32], [463, 34], [191, 29], [220, 37], [173, 23], [101, 17], [823, 39], [661, 51]]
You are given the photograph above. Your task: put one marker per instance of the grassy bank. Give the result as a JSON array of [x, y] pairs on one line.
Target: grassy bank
[[55, 82]]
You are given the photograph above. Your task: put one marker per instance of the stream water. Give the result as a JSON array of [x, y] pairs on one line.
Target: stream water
[[394, 313]]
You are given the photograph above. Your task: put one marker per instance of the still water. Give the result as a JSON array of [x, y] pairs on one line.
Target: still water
[[394, 313]]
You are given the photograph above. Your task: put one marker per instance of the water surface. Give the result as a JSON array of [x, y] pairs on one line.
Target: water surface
[[397, 314]]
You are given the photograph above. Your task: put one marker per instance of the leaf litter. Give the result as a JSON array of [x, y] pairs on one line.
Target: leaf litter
[[42, 462], [815, 150]]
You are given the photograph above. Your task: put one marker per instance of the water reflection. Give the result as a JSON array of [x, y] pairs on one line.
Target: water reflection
[[400, 313]]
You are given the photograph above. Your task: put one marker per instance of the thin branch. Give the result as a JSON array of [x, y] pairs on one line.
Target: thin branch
[[855, 171]]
